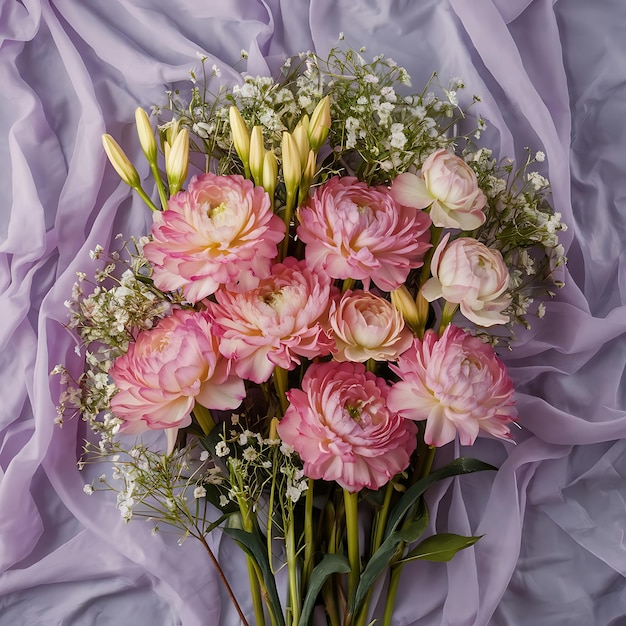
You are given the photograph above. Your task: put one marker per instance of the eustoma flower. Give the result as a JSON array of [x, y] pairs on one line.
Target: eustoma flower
[[355, 231], [468, 273], [457, 384], [365, 326], [220, 231], [281, 319], [342, 428], [449, 186], [167, 370]]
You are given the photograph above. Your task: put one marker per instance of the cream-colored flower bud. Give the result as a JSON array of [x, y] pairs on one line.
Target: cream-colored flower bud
[[257, 154], [125, 169], [319, 124], [146, 135], [270, 173], [292, 170], [308, 175], [404, 302], [300, 136], [177, 161], [241, 134]]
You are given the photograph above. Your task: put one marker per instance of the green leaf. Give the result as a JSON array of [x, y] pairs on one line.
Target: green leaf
[[380, 559], [457, 467], [253, 545], [330, 564], [440, 547]]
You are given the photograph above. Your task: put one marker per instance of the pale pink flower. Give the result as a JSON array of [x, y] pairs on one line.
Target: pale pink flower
[[342, 428], [448, 185], [167, 370], [468, 273], [365, 326], [220, 231], [274, 324], [355, 231], [457, 384]]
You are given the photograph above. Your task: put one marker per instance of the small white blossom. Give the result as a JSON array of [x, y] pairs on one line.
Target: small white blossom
[[222, 449], [88, 489], [199, 492], [540, 157], [204, 455]]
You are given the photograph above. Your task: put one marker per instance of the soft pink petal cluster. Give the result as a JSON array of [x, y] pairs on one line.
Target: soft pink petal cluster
[[448, 185], [365, 326], [457, 384], [356, 231], [167, 370], [468, 273], [342, 428], [274, 324], [220, 231]]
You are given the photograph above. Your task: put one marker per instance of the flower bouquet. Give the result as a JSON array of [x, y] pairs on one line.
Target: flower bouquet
[[315, 312]]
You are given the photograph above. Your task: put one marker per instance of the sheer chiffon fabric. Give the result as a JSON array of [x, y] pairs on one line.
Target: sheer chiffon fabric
[[551, 76]]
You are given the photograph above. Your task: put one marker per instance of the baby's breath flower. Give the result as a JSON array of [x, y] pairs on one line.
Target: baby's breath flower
[[199, 492], [222, 449]]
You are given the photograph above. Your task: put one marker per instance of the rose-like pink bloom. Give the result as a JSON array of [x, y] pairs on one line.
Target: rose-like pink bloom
[[281, 319], [468, 273], [342, 428], [365, 326], [457, 384], [448, 185], [220, 231], [167, 369], [355, 231]]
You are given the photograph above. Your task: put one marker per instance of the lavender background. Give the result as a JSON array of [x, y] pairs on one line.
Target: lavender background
[[552, 76]]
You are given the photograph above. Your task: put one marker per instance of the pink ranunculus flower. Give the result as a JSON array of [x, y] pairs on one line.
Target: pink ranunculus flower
[[274, 324], [468, 273], [448, 185], [365, 326], [342, 428], [457, 384], [220, 231], [355, 231], [167, 370]]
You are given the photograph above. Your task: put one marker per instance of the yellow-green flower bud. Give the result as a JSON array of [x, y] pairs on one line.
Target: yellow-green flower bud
[[270, 173], [257, 154], [319, 124], [240, 133], [177, 161], [125, 169], [301, 138], [308, 175], [292, 170], [146, 135], [404, 302]]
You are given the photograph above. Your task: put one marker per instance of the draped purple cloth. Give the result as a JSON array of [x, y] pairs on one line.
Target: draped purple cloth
[[552, 76]]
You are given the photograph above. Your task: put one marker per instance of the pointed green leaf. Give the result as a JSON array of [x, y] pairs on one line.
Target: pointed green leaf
[[457, 467], [253, 546], [440, 547], [330, 564]]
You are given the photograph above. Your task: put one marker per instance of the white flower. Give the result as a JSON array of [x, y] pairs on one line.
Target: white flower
[[204, 455], [249, 454], [199, 492], [221, 449], [224, 500], [540, 157], [88, 489]]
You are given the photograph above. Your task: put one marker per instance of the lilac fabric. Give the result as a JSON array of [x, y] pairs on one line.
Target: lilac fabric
[[552, 77]]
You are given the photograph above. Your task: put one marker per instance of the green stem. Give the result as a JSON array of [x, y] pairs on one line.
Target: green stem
[[394, 580], [348, 283], [160, 185], [204, 418], [282, 385], [289, 206], [253, 574], [352, 534], [144, 196], [377, 538], [292, 569], [309, 543]]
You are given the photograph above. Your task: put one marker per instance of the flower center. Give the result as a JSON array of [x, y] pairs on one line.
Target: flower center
[[354, 411], [215, 212]]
